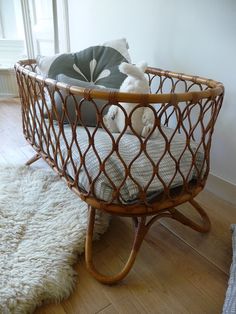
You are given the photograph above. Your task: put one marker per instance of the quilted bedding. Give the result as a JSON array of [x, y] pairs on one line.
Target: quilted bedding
[[141, 168]]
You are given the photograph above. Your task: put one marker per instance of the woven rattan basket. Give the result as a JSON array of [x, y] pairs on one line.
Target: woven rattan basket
[[186, 106]]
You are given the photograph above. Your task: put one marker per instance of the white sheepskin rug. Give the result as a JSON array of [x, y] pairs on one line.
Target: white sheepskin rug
[[42, 231]]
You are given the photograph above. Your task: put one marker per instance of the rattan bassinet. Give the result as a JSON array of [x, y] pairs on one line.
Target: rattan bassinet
[[103, 168]]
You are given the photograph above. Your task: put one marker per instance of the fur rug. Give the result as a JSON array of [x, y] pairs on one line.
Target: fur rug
[[42, 230]]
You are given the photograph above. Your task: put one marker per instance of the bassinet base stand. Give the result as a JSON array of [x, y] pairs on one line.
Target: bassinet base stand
[[33, 159], [141, 227]]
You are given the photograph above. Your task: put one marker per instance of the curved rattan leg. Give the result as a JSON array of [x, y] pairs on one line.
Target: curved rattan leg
[[203, 228], [140, 231], [33, 159]]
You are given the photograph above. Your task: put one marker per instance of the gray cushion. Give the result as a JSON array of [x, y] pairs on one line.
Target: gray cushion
[[87, 109]]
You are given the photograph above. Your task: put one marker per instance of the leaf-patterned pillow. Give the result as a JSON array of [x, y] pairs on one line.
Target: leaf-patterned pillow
[[94, 67], [97, 65]]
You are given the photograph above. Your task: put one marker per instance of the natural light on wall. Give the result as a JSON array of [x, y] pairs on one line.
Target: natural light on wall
[[29, 28]]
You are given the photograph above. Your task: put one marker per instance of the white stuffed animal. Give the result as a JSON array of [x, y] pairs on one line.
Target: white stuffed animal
[[142, 118]]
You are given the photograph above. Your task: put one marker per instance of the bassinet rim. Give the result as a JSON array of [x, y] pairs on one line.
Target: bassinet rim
[[215, 88]]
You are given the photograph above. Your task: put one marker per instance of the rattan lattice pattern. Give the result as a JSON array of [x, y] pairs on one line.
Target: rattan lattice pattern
[[188, 105]]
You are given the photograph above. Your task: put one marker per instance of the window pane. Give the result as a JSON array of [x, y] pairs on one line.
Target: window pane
[[12, 44], [41, 13], [11, 20]]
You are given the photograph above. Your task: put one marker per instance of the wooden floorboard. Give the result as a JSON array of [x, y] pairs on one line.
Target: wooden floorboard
[[168, 274], [216, 245], [177, 271]]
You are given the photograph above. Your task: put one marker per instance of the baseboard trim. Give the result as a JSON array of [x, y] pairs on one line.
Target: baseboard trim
[[222, 188]]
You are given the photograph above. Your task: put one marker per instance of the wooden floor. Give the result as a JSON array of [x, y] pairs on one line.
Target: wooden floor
[[177, 271]]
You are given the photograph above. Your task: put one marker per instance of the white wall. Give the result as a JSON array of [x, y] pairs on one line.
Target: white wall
[[195, 37]]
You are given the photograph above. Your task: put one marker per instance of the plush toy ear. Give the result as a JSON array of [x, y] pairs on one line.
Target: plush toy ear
[[125, 67], [142, 66], [136, 71]]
